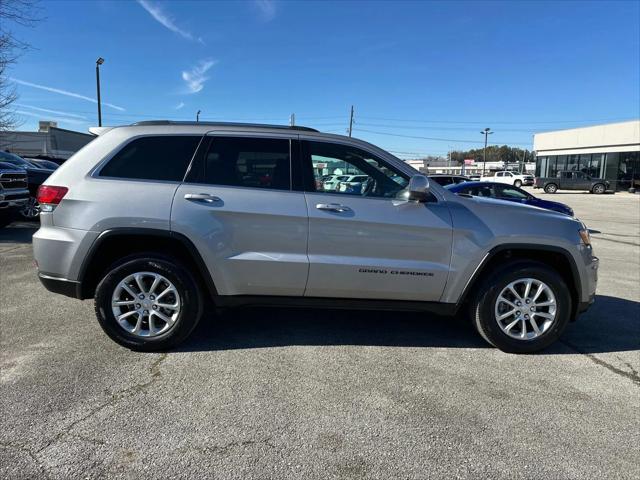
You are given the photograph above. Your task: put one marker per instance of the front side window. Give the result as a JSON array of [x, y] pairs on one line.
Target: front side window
[[163, 157], [481, 191], [356, 172], [247, 162], [510, 192]]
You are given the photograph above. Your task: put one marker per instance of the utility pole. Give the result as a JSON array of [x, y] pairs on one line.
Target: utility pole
[[99, 62], [292, 120], [198, 116], [486, 132], [351, 121]]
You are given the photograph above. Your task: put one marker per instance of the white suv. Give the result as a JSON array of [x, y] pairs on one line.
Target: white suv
[[510, 178], [158, 220]]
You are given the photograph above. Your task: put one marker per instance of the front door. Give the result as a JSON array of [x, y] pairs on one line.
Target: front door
[[237, 206], [366, 243]]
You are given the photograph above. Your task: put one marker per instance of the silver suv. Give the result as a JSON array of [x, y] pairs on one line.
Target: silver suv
[[155, 219]]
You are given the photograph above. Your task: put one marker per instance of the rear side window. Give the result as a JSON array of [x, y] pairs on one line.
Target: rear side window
[[247, 162], [163, 157]]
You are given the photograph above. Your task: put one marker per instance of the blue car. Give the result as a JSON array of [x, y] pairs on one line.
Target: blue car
[[503, 191]]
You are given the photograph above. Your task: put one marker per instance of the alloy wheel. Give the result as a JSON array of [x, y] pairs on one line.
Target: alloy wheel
[[146, 304], [525, 309], [31, 210]]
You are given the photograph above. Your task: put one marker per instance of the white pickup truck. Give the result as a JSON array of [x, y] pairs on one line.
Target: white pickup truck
[[512, 178]]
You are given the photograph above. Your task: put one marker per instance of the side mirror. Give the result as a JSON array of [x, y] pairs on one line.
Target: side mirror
[[418, 188]]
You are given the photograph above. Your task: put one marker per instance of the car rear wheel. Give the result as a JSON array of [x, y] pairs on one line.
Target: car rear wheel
[[522, 308], [551, 188], [148, 303], [598, 188], [517, 183]]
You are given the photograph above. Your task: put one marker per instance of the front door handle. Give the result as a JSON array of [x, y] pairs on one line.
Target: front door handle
[[333, 207], [202, 197]]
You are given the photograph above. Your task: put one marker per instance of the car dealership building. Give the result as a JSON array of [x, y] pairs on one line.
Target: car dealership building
[[610, 151]]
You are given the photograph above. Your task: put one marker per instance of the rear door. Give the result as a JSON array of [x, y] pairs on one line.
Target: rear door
[[582, 181], [367, 243], [238, 207]]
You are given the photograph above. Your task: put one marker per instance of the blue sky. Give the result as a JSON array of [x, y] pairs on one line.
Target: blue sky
[[440, 71]]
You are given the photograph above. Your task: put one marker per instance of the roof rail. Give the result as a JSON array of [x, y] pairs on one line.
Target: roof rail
[[222, 124]]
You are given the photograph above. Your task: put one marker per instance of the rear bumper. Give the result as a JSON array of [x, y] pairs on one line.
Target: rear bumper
[[69, 288]]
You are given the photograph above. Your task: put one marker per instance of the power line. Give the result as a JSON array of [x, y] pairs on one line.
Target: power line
[[529, 122], [422, 127], [456, 140]]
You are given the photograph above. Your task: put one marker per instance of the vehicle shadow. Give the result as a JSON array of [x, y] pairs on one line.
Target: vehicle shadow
[[276, 327], [18, 232], [611, 325]]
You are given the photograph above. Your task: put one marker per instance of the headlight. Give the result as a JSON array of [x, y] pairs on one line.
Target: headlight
[[585, 237]]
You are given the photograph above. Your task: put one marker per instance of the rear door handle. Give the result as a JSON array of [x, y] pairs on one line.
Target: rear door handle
[[333, 207], [202, 197]]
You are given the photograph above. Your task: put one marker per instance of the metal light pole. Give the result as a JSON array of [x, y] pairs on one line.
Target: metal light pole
[[198, 116], [486, 132], [99, 62]]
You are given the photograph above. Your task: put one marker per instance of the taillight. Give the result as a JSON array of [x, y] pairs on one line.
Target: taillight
[[49, 196]]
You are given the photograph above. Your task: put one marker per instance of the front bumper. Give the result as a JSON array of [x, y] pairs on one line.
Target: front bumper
[[13, 200], [590, 277]]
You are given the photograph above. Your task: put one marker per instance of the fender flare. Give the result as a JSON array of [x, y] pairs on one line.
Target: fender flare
[[152, 232]]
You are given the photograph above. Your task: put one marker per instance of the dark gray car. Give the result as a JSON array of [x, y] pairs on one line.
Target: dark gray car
[[572, 180]]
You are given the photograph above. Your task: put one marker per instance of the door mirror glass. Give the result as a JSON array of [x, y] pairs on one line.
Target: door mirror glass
[[418, 188]]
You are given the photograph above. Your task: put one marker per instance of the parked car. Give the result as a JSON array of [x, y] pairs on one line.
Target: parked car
[[510, 178], [509, 193], [48, 164], [330, 182], [14, 193], [444, 180], [36, 175], [152, 219], [572, 180], [353, 184]]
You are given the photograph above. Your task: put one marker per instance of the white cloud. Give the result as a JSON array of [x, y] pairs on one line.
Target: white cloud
[[195, 78], [166, 21], [266, 8], [46, 110], [180, 105], [65, 92]]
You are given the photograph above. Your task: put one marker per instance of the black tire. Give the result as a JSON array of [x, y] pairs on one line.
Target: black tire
[[598, 189], [5, 219], [551, 188], [517, 183], [190, 298], [483, 314]]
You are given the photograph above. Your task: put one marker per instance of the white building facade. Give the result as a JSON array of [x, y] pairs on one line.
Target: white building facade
[[610, 151]]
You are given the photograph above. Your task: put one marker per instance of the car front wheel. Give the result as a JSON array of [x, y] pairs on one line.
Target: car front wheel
[[517, 183], [522, 308], [31, 209], [148, 303], [598, 188], [551, 188]]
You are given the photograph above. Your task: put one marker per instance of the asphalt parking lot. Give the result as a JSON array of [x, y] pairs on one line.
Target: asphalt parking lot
[[318, 394]]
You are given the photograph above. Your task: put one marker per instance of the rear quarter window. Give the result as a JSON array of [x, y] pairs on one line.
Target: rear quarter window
[[162, 157]]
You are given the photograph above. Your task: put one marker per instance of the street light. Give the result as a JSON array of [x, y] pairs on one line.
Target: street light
[[99, 62], [198, 116], [486, 132]]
